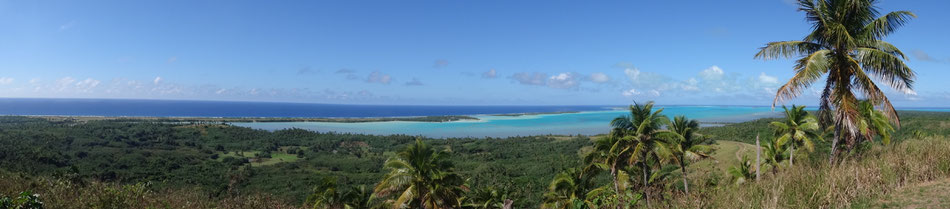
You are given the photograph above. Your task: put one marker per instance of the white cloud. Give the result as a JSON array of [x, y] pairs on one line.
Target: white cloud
[[378, 77], [910, 92], [630, 92], [599, 77], [87, 85], [711, 82], [64, 83], [530, 78], [563, 81], [712, 73], [5, 80], [650, 81], [157, 80], [691, 85], [490, 74], [766, 79]]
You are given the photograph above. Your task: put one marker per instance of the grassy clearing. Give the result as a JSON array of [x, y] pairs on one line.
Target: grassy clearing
[[854, 182], [934, 194], [275, 158], [728, 153]]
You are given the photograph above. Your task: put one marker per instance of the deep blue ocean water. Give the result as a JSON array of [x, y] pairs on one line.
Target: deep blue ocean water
[[173, 108], [588, 120]]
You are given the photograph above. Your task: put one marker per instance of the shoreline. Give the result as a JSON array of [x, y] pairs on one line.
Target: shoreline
[[718, 121]]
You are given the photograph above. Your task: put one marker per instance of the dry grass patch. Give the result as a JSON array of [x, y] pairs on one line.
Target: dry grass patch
[[879, 172]]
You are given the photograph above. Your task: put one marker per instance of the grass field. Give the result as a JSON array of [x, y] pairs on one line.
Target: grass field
[[728, 153], [933, 194], [274, 159]]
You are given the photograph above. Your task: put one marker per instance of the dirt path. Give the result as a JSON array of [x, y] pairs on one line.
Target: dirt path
[[933, 194]]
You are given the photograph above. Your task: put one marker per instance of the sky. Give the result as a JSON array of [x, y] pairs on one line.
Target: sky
[[464, 52]]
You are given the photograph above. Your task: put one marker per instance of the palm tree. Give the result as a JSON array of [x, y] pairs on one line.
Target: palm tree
[[798, 128], [846, 46], [873, 122], [421, 177], [329, 195], [485, 198], [687, 144], [569, 189], [609, 155], [640, 140], [742, 172], [774, 154]]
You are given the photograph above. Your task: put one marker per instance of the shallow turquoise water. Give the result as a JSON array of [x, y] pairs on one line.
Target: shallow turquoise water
[[587, 123]]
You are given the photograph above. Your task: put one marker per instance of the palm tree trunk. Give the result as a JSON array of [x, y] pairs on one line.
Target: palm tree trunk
[[834, 144], [685, 182], [791, 156], [758, 157], [613, 173], [646, 184]]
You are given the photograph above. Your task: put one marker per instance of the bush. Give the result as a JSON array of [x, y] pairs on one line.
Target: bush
[[26, 200]]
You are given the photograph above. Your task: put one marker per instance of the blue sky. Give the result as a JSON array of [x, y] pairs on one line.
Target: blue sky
[[428, 52]]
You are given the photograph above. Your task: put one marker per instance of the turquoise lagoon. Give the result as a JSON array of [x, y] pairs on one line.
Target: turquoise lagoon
[[586, 123]]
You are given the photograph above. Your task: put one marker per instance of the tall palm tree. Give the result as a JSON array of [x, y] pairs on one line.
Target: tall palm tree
[[797, 128], [640, 141], [607, 156], [846, 46], [687, 145], [421, 177], [873, 122]]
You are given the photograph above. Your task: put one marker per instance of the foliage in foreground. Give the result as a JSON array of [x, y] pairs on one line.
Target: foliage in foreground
[[856, 180], [846, 47], [65, 193]]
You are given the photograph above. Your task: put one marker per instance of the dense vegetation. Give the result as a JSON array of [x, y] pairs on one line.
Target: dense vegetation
[[228, 163], [229, 160]]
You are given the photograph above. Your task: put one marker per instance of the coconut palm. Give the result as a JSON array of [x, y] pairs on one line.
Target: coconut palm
[[640, 141], [687, 145], [569, 189], [797, 128], [845, 46], [742, 172], [421, 177], [329, 195], [608, 155], [873, 122], [774, 154], [485, 198]]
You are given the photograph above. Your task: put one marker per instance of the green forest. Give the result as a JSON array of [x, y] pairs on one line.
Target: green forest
[[218, 161]]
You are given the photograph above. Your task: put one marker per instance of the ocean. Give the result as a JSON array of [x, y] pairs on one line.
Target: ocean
[[585, 123], [586, 120], [178, 108]]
